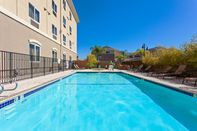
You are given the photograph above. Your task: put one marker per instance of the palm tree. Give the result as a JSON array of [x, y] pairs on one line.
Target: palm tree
[[96, 50]]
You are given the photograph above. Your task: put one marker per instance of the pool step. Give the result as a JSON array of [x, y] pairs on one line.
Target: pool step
[[10, 116], [10, 111]]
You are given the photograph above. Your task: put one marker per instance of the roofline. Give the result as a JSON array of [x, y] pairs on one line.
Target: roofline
[[73, 10]]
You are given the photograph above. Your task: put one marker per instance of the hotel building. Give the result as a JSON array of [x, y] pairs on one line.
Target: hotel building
[[39, 28]]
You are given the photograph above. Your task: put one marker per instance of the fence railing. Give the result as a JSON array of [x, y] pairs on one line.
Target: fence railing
[[22, 66]]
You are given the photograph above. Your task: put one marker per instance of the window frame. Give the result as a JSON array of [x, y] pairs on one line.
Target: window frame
[[64, 21], [35, 10], [64, 40], [54, 56], [70, 44], [34, 57], [70, 15], [54, 30], [70, 30], [54, 8], [64, 4]]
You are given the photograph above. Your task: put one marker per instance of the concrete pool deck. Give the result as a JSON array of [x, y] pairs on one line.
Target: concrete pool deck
[[27, 85]]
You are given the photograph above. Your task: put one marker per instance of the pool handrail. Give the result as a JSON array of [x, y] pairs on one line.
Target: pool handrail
[[2, 88]]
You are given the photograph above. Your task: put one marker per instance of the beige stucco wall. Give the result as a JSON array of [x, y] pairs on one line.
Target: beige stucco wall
[[20, 34], [15, 37]]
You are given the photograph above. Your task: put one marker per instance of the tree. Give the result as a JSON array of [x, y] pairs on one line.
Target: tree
[[96, 50], [120, 57], [139, 52], [92, 61]]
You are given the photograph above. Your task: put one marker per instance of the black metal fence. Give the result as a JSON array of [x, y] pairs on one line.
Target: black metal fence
[[22, 66]]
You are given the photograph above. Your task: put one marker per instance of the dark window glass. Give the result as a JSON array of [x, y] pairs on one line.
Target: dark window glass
[[64, 21], [70, 44], [70, 14], [54, 56], [70, 28], [34, 52], [31, 11], [64, 39], [34, 13], [37, 15], [54, 7], [37, 53], [64, 4], [54, 30]]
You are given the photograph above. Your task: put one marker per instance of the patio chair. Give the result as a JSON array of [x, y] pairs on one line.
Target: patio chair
[[179, 71], [191, 79], [76, 66]]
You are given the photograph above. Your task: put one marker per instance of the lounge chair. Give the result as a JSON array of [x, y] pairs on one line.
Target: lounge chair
[[147, 68], [131, 68], [165, 70], [176, 74], [191, 79], [139, 68]]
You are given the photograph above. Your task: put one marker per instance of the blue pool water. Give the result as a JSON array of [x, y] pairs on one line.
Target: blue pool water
[[101, 102]]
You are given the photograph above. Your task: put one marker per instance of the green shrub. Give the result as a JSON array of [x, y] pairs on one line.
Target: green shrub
[[190, 52], [171, 56], [150, 58], [164, 57], [92, 61]]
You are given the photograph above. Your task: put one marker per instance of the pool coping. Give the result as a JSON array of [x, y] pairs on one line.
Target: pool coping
[[173, 86], [24, 93]]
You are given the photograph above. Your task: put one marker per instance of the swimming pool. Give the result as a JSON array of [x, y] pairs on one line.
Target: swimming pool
[[101, 101]]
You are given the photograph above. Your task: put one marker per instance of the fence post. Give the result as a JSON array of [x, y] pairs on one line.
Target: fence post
[[44, 65], [63, 64], [31, 66], [52, 65], [10, 68]]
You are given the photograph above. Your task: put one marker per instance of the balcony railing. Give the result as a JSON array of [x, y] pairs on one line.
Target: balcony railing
[[22, 66]]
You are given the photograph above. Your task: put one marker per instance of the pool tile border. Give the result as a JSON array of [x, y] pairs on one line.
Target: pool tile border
[[31, 91], [44, 85]]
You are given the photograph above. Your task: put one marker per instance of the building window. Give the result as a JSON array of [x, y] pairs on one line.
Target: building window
[[70, 58], [34, 52], [54, 31], [64, 57], [70, 15], [70, 30], [64, 4], [64, 21], [64, 39], [34, 13], [54, 56], [70, 44], [54, 7]]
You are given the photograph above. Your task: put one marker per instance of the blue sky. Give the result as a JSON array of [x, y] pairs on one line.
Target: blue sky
[[126, 24]]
